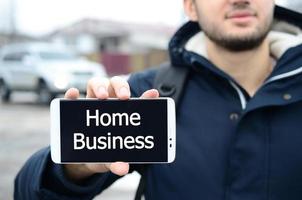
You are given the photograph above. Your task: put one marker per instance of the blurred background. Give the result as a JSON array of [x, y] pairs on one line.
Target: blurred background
[[47, 46]]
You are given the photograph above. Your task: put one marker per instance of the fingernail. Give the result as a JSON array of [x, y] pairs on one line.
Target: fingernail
[[124, 91], [102, 90]]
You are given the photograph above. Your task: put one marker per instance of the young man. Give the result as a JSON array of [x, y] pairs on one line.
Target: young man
[[239, 118]]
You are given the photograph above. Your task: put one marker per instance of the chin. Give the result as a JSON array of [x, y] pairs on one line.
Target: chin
[[242, 34]]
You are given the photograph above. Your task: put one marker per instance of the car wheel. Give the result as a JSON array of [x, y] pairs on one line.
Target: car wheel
[[44, 94], [4, 92]]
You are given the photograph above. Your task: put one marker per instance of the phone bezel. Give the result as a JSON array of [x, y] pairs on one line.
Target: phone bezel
[[55, 141]]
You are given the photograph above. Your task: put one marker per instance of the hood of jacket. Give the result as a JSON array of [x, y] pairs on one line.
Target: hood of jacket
[[285, 38]]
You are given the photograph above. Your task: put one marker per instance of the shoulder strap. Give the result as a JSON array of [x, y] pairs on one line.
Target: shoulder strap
[[169, 81]]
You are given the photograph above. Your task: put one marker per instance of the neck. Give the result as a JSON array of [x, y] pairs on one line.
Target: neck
[[248, 68]]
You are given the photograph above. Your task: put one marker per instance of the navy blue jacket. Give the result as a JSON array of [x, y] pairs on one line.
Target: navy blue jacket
[[229, 145]]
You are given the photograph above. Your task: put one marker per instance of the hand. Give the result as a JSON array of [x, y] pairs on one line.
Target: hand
[[115, 87]]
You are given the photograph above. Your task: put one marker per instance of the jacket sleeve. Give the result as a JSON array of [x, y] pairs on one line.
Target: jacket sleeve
[[40, 178], [141, 81]]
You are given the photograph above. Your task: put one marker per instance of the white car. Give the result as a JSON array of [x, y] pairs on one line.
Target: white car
[[43, 68]]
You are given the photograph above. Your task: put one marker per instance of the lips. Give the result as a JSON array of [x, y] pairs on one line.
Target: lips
[[240, 14]]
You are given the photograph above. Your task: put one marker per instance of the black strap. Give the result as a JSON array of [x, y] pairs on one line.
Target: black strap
[[142, 184], [169, 81]]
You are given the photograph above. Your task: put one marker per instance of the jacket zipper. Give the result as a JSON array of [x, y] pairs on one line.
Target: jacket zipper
[[275, 78], [240, 94]]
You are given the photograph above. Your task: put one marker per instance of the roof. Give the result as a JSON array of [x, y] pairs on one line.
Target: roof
[[108, 28]]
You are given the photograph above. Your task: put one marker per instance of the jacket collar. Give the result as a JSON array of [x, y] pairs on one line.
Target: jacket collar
[[286, 33]]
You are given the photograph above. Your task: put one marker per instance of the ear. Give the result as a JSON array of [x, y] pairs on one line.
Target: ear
[[190, 9]]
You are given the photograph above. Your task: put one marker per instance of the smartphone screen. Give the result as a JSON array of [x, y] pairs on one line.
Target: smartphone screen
[[135, 131]]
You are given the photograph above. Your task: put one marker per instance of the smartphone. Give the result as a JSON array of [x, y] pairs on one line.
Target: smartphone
[[102, 131]]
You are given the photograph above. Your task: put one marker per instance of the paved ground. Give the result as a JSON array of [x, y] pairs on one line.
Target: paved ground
[[24, 128]]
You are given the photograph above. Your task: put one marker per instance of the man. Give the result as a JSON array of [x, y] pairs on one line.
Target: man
[[239, 119]]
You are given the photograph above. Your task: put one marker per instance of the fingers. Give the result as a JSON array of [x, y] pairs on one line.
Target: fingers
[[72, 93], [103, 88], [153, 93], [120, 88], [98, 88], [118, 168]]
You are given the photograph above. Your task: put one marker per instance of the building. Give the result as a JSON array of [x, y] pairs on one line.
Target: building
[[121, 47]]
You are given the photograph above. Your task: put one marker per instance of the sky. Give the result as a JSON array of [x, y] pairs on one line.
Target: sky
[[37, 17]]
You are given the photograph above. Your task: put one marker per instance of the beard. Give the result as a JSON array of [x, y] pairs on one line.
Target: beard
[[236, 43]]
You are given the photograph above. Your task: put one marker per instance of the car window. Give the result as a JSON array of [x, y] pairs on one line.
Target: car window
[[15, 57], [51, 55]]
